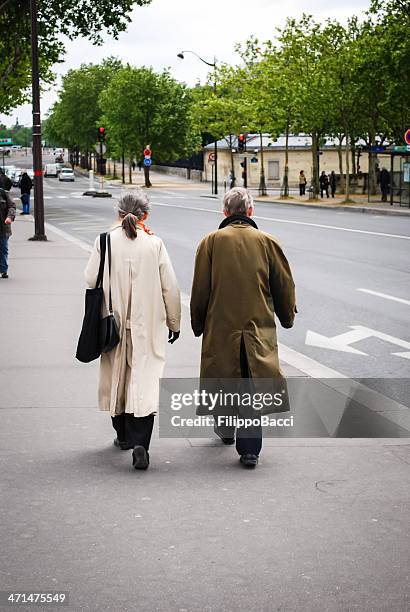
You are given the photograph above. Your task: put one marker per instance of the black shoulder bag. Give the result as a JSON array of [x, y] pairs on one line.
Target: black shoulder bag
[[98, 334], [109, 332]]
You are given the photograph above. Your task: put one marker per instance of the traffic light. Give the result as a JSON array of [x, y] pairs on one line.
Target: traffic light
[[101, 134], [241, 143]]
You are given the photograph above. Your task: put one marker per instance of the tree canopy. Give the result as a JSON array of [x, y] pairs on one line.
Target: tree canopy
[[55, 18]]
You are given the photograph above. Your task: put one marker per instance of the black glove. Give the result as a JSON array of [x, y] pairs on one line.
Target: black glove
[[172, 336]]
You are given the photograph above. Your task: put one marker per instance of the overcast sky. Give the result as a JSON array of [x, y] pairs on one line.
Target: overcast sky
[[210, 27]]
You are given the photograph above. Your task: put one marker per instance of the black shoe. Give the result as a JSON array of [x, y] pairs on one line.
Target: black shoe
[[140, 458], [227, 441], [4, 275], [249, 461], [122, 445]]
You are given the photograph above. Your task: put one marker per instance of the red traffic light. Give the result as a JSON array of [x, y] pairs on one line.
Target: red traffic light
[[101, 130], [241, 137]]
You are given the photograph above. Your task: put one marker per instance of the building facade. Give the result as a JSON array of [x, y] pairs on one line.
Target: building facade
[[300, 158]]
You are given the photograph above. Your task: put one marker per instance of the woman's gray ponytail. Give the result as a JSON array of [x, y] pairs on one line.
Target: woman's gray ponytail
[[132, 207], [129, 225]]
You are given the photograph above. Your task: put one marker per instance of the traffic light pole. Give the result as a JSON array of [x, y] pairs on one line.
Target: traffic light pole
[[101, 167], [245, 172], [39, 232]]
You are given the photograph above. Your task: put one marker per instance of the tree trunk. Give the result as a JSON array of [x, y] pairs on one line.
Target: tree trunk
[[233, 181], [340, 154], [146, 176], [372, 178], [315, 164], [262, 182], [347, 157], [354, 167], [130, 172], [286, 169], [123, 167]]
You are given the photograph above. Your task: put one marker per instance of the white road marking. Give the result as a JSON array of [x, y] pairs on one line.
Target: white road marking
[[277, 220], [385, 296], [358, 332], [336, 343]]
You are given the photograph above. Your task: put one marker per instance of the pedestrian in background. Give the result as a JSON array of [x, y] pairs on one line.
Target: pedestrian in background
[[145, 299], [384, 183], [7, 216], [324, 184], [241, 280], [332, 183], [26, 185], [139, 165], [5, 181], [302, 183]]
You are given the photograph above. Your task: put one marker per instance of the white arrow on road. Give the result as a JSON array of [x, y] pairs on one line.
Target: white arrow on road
[[342, 342]]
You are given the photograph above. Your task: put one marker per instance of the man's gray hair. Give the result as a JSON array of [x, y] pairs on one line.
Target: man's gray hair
[[133, 202], [237, 201]]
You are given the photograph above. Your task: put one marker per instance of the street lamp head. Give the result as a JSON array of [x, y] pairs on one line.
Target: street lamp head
[[181, 56]]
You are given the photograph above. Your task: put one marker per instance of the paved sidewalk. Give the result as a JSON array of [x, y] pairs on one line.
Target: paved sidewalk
[[321, 525], [359, 204]]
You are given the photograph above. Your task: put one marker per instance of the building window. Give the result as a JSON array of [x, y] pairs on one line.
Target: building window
[[273, 171]]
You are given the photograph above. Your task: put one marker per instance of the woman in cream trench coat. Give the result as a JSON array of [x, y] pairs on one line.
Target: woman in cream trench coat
[[146, 300]]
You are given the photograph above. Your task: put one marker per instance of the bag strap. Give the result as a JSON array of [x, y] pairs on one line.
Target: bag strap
[[102, 260], [109, 272]]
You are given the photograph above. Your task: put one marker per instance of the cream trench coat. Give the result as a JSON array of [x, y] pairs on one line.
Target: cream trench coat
[[146, 300]]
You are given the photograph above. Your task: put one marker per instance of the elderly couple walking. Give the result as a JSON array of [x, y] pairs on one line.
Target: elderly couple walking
[[241, 280]]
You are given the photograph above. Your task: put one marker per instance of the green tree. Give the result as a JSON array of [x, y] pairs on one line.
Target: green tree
[[74, 117], [141, 107], [55, 17], [222, 110]]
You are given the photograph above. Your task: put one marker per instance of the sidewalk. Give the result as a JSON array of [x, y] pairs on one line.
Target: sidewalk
[[196, 532], [359, 204]]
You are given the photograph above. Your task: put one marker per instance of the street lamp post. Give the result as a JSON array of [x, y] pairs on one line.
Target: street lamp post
[[213, 65], [39, 233]]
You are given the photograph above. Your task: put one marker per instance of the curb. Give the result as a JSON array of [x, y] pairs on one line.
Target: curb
[[338, 207]]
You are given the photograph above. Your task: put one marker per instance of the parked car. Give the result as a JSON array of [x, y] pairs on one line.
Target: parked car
[[50, 170], [66, 174], [16, 177]]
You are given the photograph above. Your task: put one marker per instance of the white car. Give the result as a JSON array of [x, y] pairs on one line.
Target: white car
[[66, 174], [50, 170]]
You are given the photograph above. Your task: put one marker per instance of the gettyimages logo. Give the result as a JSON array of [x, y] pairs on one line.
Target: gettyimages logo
[[226, 399]]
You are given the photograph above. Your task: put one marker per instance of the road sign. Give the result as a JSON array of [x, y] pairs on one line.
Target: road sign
[[100, 147], [407, 137], [147, 161], [401, 149], [147, 152], [211, 157], [6, 141], [377, 149]]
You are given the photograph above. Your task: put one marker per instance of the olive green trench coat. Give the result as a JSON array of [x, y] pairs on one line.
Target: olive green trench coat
[[241, 280]]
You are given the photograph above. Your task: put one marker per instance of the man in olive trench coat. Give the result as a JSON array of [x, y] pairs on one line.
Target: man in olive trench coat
[[241, 280]]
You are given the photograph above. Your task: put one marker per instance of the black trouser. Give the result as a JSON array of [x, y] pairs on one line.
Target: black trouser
[[249, 439], [133, 431], [324, 189], [302, 189]]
